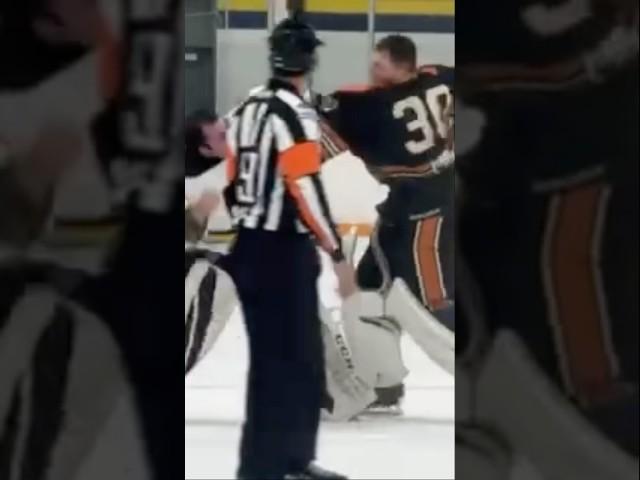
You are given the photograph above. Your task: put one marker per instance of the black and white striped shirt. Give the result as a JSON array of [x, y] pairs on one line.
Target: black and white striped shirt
[[273, 159]]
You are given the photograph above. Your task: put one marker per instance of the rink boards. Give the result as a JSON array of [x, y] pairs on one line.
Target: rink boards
[[426, 16]]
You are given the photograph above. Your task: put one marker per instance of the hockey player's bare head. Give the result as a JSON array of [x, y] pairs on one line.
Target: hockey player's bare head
[[205, 135], [394, 61]]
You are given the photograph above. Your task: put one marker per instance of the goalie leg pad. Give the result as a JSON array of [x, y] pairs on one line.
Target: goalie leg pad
[[383, 346], [558, 440], [433, 337], [210, 300], [47, 337], [360, 354], [349, 380], [97, 381]]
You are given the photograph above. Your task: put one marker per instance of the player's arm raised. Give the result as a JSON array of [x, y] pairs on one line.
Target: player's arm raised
[[332, 143]]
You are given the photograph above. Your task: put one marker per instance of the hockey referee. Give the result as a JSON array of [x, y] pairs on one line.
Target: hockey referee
[[278, 204]]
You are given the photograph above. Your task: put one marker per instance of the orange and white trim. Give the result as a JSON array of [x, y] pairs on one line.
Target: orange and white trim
[[573, 286], [426, 253]]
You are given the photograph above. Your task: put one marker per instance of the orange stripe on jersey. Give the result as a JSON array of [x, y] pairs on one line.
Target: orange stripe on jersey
[[574, 291], [232, 163], [423, 170], [307, 216], [427, 259], [506, 76], [300, 160]]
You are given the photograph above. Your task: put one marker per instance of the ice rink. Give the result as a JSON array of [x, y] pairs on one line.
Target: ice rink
[[418, 445]]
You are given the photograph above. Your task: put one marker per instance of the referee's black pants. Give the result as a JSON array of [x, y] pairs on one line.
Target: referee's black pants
[[276, 276]]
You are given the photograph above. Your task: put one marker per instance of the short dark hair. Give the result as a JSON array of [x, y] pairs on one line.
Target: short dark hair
[[194, 138], [401, 50], [193, 127], [200, 117]]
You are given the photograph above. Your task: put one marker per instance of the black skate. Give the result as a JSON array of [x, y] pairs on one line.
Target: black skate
[[388, 403], [313, 472]]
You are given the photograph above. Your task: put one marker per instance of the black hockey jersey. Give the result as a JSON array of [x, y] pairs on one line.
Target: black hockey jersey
[[401, 135], [402, 126], [551, 189], [442, 73]]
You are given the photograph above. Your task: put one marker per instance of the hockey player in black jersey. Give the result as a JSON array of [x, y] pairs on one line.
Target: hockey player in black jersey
[[547, 234], [401, 127]]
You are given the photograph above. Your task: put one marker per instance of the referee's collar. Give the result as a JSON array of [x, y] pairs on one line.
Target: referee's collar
[[278, 83]]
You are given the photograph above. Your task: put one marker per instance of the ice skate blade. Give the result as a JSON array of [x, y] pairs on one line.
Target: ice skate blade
[[382, 411]]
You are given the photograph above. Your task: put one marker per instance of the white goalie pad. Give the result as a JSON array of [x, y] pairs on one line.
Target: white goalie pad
[[539, 422], [225, 302], [94, 376], [359, 355], [204, 328], [434, 338], [97, 382], [349, 392]]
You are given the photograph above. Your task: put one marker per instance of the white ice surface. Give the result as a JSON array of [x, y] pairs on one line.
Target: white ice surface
[[418, 445]]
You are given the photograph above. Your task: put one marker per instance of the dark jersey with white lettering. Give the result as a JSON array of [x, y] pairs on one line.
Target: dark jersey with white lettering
[[544, 44], [401, 134], [403, 125], [551, 191]]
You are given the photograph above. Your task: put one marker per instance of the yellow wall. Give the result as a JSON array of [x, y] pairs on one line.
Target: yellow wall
[[416, 7]]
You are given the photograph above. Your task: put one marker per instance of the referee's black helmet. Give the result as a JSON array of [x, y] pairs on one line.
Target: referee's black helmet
[[293, 45]]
